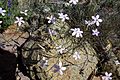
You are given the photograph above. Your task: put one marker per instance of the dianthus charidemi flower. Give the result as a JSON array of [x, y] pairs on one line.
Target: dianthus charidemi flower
[[24, 12], [107, 76], [89, 23], [51, 19], [2, 12], [63, 16], [59, 68], [76, 55], [77, 32], [97, 20], [22, 77], [73, 2], [60, 49], [19, 21], [117, 62], [43, 62], [95, 32]]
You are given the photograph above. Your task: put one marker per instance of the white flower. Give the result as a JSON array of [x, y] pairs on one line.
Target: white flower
[[95, 32], [63, 16], [117, 62], [89, 23], [76, 55], [43, 62], [22, 76], [61, 69], [77, 32], [97, 20], [2, 11], [73, 2], [60, 49], [19, 21], [107, 76], [0, 22], [51, 19], [24, 12]]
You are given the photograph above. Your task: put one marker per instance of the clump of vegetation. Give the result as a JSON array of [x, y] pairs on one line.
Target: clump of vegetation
[[11, 10], [88, 21]]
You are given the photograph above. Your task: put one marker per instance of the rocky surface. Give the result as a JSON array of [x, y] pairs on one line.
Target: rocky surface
[[12, 37], [36, 48]]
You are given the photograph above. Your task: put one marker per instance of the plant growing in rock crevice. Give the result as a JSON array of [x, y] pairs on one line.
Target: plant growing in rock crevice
[[57, 32]]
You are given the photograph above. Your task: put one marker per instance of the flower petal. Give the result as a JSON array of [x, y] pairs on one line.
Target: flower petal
[[26, 10], [77, 35], [63, 19], [67, 18], [60, 64], [110, 74], [17, 18], [19, 23], [106, 73], [49, 21], [97, 23], [73, 34], [61, 73], [3, 14], [110, 78], [81, 34], [22, 21], [97, 16], [63, 68], [0, 22], [21, 18], [16, 22], [93, 17], [100, 20], [4, 11]]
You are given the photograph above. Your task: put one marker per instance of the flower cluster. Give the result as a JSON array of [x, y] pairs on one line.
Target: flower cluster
[[62, 16], [96, 21], [19, 20], [77, 32]]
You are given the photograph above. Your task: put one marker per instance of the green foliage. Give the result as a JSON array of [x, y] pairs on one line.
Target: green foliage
[[11, 12]]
